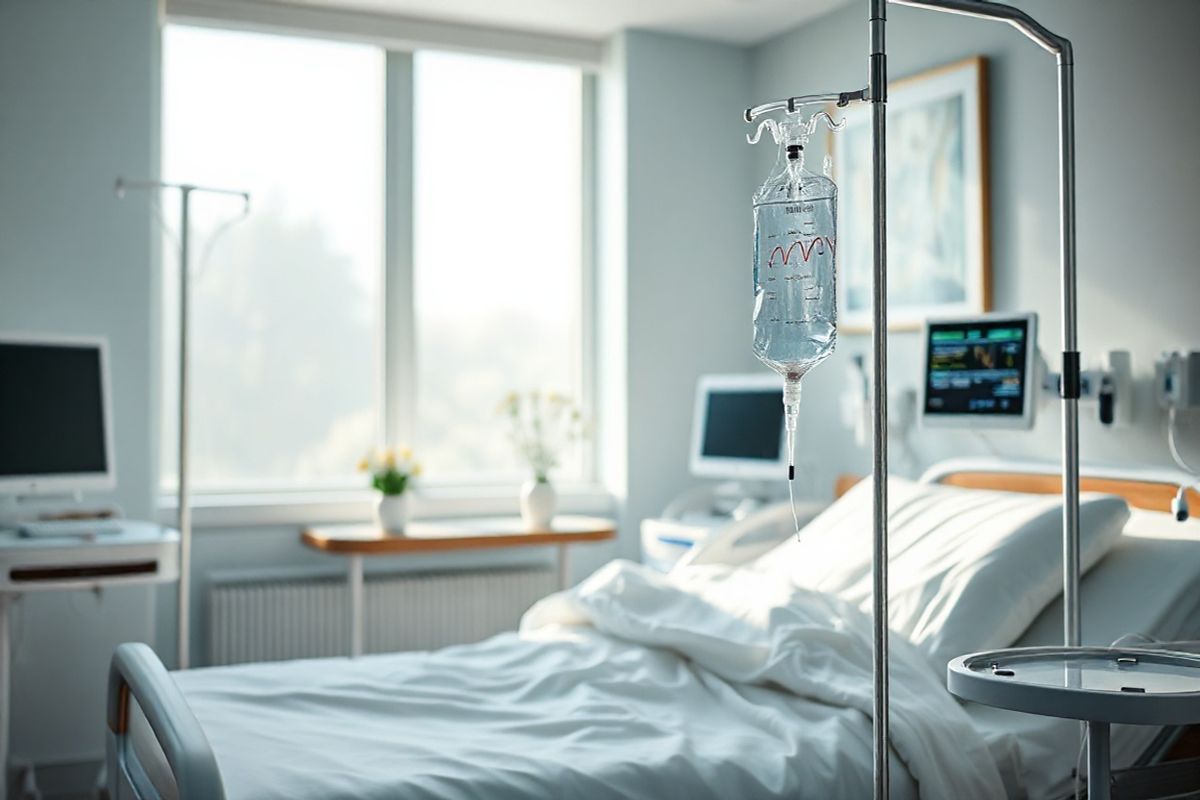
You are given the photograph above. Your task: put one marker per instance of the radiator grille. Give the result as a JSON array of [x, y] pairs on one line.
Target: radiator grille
[[297, 617]]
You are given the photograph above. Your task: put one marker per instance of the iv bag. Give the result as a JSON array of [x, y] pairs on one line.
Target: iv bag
[[795, 248]]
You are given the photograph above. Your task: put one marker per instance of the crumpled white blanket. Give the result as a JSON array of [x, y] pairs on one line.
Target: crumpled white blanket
[[748, 627]]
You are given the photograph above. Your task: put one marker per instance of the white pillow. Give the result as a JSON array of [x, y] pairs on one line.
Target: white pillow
[[969, 569]]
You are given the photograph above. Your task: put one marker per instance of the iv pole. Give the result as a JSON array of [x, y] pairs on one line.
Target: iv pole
[[184, 496], [876, 95], [1069, 392]]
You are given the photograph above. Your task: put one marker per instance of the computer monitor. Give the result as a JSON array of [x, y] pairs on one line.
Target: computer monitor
[[737, 428], [980, 371], [55, 415]]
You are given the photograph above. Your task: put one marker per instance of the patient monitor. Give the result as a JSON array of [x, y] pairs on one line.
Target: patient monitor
[[980, 372], [55, 433], [737, 438], [55, 415], [737, 429]]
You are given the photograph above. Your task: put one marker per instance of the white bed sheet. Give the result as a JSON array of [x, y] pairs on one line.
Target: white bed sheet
[[715, 683], [602, 719], [576, 713], [1149, 584]]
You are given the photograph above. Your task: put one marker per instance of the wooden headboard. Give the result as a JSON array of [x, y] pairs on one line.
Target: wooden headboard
[[1148, 494]]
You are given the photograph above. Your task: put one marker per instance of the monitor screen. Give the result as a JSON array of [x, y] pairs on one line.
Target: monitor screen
[[743, 424], [737, 431], [52, 415], [979, 369]]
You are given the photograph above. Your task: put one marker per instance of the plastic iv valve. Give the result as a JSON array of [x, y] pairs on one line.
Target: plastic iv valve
[[795, 248]]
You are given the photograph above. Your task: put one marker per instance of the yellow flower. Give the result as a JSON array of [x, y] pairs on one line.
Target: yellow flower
[[389, 458], [364, 464], [509, 404], [406, 454], [416, 470]]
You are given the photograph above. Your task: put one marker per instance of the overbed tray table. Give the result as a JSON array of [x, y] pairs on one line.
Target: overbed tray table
[[1098, 685]]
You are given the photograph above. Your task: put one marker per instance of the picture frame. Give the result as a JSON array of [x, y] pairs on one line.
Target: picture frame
[[939, 231]]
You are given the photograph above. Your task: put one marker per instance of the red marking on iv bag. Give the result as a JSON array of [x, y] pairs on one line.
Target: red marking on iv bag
[[805, 251]]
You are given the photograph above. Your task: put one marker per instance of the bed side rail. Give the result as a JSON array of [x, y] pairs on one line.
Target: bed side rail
[[136, 672]]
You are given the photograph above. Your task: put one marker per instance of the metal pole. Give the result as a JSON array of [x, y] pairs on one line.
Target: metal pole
[[5, 687], [1070, 356], [1099, 774], [877, 96], [1064, 53], [184, 493], [185, 506]]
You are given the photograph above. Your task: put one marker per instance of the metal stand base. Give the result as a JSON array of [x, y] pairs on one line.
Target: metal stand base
[[1099, 762]]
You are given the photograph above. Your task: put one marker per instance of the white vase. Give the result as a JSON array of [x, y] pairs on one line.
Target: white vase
[[538, 503], [392, 512]]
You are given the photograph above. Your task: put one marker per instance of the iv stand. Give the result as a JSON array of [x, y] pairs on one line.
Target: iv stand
[[876, 95], [184, 497]]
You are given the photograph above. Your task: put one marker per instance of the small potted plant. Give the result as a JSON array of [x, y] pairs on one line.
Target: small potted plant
[[393, 472], [542, 425]]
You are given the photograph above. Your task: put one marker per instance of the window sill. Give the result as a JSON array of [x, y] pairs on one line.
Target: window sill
[[311, 508]]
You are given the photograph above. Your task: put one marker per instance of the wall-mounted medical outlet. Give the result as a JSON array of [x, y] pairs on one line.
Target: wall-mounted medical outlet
[[1110, 386], [856, 402], [1177, 380], [1118, 368]]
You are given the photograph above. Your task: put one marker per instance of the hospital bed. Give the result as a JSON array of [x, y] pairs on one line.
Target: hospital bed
[[572, 711]]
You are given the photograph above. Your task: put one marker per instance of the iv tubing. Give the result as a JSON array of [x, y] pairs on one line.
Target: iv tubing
[[791, 410], [1173, 446]]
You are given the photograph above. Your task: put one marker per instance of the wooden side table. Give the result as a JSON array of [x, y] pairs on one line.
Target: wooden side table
[[437, 536]]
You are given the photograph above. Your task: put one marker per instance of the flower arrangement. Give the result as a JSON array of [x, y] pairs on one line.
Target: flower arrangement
[[392, 470], [542, 424]]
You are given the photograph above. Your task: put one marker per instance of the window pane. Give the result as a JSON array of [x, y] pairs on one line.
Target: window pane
[[286, 302], [498, 254]]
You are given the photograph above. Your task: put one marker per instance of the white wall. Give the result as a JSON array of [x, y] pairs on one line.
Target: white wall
[[1138, 185], [77, 109], [681, 270]]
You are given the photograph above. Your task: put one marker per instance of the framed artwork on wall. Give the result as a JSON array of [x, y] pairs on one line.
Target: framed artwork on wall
[[939, 260]]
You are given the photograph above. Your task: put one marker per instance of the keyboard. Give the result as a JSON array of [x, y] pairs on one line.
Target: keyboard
[[70, 527]]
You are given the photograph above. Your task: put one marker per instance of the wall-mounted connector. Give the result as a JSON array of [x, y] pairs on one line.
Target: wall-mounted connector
[[1110, 386], [1177, 379]]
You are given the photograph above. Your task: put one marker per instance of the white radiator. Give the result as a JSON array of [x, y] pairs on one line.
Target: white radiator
[[276, 618]]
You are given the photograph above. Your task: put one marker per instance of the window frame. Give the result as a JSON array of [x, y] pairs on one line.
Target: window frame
[[395, 391]]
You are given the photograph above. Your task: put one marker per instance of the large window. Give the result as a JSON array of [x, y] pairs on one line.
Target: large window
[[290, 341], [497, 263]]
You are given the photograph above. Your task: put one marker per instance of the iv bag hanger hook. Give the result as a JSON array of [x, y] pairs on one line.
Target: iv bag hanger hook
[[792, 105], [807, 128]]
